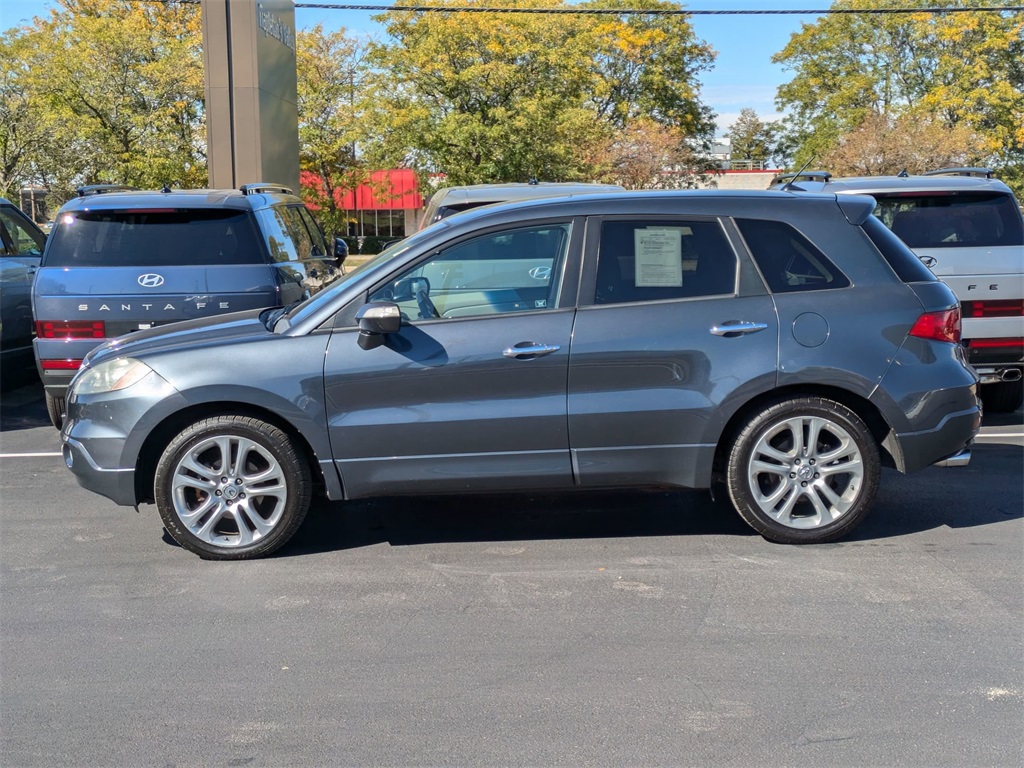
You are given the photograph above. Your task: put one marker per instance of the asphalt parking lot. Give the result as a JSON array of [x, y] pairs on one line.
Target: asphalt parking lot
[[592, 629]]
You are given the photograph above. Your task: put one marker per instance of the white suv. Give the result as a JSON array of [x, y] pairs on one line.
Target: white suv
[[967, 227]]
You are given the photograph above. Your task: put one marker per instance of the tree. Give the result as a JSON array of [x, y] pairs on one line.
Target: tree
[[963, 68], [648, 155], [118, 86], [487, 97], [886, 145], [332, 79], [752, 139]]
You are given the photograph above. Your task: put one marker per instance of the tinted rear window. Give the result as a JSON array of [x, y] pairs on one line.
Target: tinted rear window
[[952, 219], [149, 238], [787, 259], [904, 263]]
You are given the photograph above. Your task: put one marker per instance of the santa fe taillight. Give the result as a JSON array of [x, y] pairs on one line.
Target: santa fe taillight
[[938, 326], [994, 308], [70, 329]]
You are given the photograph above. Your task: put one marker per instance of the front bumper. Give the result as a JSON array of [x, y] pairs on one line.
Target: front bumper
[[104, 435], [117, 484]]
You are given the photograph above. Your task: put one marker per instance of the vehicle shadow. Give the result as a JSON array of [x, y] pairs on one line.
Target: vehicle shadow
[[933, 498], [21, 401], [409, 521]]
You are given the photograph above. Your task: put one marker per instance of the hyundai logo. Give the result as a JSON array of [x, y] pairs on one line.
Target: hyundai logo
[[540, 273], [151, 280]]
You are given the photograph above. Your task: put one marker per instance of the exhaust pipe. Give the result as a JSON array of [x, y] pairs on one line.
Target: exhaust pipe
[[1011, 374], [961, 459]]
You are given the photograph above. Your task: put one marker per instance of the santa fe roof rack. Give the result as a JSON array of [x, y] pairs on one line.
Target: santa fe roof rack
[[265, 186], [984, 173], [100, 189]]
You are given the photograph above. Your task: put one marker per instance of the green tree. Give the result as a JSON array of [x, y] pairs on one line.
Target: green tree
[[751, 138], [486, 97], [964, 68], [118, 85], [333, 76]]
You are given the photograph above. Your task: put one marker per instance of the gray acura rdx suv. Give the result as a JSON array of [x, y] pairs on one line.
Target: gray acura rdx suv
[[782, 346]]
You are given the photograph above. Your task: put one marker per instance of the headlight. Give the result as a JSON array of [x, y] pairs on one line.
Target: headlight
[[119, 373]]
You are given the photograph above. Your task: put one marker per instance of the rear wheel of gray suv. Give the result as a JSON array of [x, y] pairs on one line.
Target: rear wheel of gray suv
[[803, 471], [55, 410], [232, 487]]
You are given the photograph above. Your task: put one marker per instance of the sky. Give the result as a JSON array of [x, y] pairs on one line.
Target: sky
[[743, 74]]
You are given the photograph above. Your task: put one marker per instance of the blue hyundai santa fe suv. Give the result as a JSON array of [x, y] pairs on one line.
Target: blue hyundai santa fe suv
[[782, 347], [120, 259]]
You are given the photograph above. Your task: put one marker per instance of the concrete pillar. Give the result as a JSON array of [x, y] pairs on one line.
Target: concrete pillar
[[252, 118]]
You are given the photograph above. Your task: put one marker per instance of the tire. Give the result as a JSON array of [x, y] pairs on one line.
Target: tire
[[55, 410], [231, 510], [1002, 396], [775, 478]]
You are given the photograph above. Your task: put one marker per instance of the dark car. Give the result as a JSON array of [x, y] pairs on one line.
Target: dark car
[[782, 346], [21, 246], [120, 260]]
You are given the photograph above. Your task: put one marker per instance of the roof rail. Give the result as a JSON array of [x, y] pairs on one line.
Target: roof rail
[[264, 186], [985, 173], [806, 175], [99, 189]]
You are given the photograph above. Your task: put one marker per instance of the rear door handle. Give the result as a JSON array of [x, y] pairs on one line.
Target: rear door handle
[[527, 350], [737, 328]]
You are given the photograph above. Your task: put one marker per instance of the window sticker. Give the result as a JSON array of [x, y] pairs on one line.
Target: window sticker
[[659, 257]]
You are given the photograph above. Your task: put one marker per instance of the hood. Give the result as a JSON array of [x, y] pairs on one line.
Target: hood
[[221, 329]]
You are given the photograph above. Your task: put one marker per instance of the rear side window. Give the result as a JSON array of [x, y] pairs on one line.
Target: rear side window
[[904, 263], [664, 259], [288, 237], [952, 219], [789, 261], [153, 238]]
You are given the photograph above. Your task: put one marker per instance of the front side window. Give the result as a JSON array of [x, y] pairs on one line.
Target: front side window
[[952, 219], [514, 270], [658, 260], [153, 238], [17, 238], [788, 261]]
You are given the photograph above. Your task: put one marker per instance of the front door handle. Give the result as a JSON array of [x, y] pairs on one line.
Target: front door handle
[[527, 350], [737, 328]]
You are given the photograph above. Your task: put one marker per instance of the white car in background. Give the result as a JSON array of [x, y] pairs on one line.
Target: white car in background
[[967, 228]]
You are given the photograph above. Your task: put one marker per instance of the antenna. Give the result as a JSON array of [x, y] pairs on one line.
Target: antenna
[[786, 187]]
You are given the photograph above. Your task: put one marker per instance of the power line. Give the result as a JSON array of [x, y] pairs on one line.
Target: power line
[[636, 11], [652, 12]]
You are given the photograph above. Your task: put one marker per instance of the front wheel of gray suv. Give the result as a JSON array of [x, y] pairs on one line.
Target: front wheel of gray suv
[[232, 487], [803, 471]]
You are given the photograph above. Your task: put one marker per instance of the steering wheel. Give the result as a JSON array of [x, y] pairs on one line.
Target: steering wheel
[[427, 308]]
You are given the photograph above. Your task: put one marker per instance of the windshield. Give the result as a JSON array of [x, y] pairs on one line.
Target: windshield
[[952, 219], [298, 312]]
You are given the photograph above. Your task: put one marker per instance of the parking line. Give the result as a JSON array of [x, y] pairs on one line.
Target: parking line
[[28, 455]]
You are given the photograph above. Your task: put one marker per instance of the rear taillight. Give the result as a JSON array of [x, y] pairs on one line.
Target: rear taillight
[[70, 329], [938, 326], [996, 308], [61, 365]]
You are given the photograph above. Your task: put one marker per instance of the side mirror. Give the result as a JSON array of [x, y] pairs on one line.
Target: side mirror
[[375, 320], [340, 250]]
